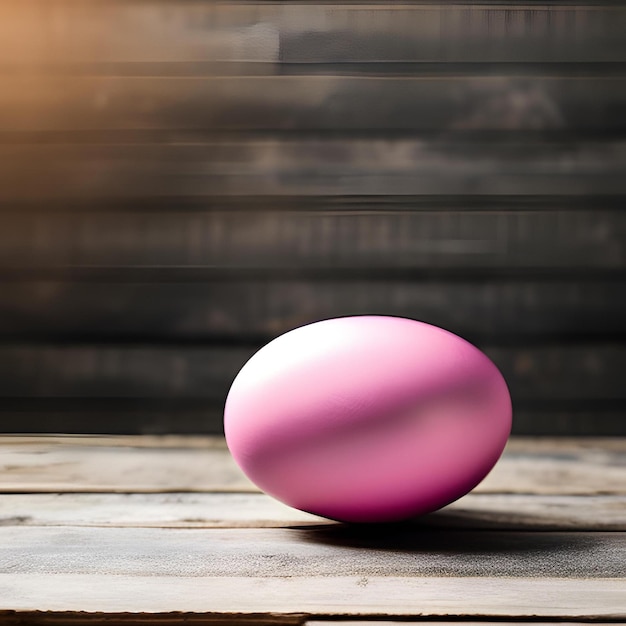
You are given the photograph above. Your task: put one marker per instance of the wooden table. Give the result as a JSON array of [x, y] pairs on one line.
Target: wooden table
[[167, 530]]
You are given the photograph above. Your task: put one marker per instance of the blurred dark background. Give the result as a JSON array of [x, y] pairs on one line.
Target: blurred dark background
[[181, 181]]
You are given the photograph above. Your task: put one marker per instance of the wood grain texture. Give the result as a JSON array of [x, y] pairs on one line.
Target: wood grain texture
[[405, 622], [439, 104], [541, 466], [86, 307], [395, 623], [328, 595], [388, 236], [330, 550], [55, 32], [180, 182], [133, 464], [242, 557], [315, 167], [475, 511], [166, 618], [55, 618]]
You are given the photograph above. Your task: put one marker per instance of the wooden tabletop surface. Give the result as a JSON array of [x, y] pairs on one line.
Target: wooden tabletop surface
[[167, 530]]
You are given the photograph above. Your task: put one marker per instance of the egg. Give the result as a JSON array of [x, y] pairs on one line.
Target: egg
[[367, 418]]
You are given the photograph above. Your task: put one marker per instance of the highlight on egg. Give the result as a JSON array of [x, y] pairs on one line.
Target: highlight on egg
[[367, 418]]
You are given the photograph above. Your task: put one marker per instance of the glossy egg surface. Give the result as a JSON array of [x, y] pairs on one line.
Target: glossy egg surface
[[368, 418]]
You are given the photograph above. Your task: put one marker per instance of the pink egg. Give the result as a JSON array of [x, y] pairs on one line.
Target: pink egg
[[367, 419]]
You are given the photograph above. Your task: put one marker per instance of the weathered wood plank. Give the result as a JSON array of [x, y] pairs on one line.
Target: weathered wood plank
[[453, 104], [166, 618], [333, 235], [394, 623], [197, 464], [532, 462], [310, 205], [173, 510], [141, 464], [480, 309], [326, 550], [58, 32], [126, 371], [477, 511], [554, 376], [56, 618], [327, 595], [316, 167], [323, 570], [531, 512]]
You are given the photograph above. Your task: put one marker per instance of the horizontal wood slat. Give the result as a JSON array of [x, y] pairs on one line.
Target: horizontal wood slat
[[502, 597], [474, 511], [554, 376], [397, 623], [332, 236], [55, 31], [209, 308], [126, 465], [312, 167], [82, 618], [328, 550], [541, 466], [442, 104]]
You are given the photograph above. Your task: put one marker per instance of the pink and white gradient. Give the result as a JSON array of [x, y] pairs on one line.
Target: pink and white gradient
[[367, 419]]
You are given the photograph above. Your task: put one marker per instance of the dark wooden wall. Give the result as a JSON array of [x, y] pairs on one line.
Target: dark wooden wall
[[182, 180]]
